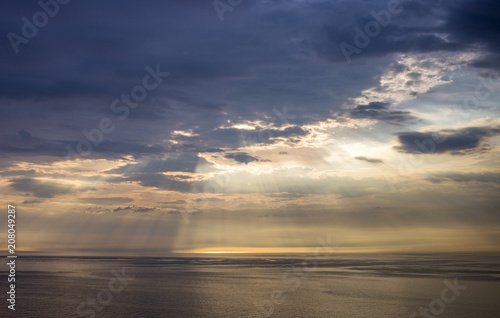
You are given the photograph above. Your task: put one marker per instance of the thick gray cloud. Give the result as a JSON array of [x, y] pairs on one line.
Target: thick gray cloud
[[466, 23], [490, 61], [381, 111], [241, 157], [26, 144], [455, 142]]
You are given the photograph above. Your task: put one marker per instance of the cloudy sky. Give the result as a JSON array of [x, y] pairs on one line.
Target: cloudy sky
[[152, 127]]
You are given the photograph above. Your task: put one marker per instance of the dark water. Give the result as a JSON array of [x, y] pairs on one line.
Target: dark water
[[264, 286]]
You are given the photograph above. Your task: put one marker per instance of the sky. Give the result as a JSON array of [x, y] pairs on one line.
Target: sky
[[276, 126]]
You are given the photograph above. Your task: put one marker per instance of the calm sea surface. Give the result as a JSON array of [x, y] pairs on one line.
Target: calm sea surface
[[263, 286]]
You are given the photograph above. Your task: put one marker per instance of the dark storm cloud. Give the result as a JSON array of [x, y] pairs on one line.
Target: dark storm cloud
[[467, 24], [491, 61], [455, 142], [43, 189], [465, 177], [96, 59], [159, 38], [107, 31], [381, 111], [24, 143], [474, 22], [370, 160], [32, 87], [118, 147], [241, 157]]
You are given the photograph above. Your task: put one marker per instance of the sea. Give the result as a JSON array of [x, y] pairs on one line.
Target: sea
[[241, 285]]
